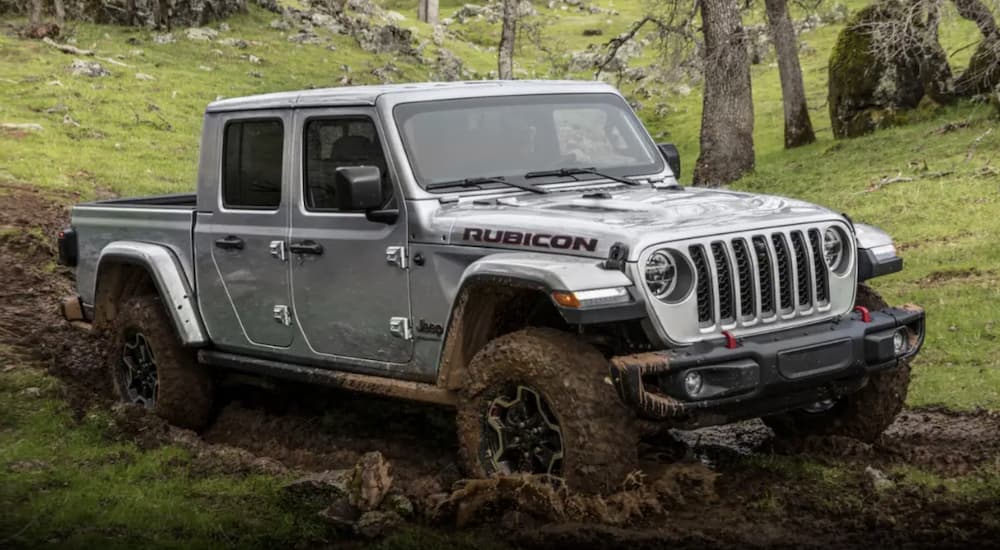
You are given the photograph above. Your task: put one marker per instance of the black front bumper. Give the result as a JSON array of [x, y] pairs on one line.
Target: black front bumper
[[768, 373]]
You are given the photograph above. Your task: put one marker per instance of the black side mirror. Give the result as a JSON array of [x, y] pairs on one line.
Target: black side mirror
[[359, 188], [673, 158]]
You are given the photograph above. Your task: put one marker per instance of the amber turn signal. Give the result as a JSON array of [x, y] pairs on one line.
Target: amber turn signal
[[566, 299]]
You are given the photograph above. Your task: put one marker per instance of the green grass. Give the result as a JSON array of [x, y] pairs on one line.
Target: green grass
[[981, 485], [839, 488], [74, 484]]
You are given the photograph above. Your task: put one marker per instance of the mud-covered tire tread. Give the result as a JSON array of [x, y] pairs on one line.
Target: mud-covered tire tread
[[185, 390], [600, 435], [863, 415]]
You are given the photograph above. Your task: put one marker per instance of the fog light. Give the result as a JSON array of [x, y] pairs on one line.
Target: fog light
[[899, 341], [692, 384]]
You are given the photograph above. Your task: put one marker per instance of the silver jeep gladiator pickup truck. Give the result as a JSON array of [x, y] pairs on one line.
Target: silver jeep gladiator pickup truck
[[521, 251]]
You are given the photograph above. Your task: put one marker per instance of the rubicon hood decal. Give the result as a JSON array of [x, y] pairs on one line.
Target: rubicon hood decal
[[567, 223], [537, 240]]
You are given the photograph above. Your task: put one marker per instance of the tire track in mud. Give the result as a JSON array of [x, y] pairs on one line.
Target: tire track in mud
[[706, 488]]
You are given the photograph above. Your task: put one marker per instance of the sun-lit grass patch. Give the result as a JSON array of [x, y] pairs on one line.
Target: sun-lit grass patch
[[977, 486]]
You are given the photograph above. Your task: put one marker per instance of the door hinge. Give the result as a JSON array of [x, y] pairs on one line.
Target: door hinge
[[396, 255], [277, 249], [400, 328], [282, 315]]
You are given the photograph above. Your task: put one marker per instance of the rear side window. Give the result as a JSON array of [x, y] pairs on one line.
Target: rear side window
[[252, 164]]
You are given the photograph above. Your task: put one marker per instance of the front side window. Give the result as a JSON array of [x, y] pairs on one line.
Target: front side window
[[510, 136], [338, 142], [252, 164]]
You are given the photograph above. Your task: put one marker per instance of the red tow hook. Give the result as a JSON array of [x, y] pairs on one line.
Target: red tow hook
[[731, 342], [866, 316]]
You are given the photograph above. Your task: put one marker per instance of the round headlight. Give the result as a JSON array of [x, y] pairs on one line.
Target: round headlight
[[833, 247], [661, 274]]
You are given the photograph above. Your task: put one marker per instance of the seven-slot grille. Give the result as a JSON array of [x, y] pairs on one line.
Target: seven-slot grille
[[745, 279]]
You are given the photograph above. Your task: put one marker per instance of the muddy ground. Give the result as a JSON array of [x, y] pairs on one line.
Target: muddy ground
[[724, 487]]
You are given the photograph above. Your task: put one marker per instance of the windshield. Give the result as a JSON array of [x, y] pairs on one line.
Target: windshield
[[507, 137]]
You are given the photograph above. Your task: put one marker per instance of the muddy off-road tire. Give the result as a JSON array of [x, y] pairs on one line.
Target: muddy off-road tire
[[551, 391], [150, 367], [863, 415]]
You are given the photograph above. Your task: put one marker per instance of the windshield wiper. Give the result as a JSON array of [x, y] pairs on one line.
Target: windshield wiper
[[572, 172], [473, 182]]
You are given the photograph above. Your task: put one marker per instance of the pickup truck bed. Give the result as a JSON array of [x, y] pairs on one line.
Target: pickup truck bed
[[163, 219], [176, 200]]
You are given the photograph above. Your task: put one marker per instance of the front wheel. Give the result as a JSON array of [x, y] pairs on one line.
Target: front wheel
[[538, 402], [863, 415], [150, 367]]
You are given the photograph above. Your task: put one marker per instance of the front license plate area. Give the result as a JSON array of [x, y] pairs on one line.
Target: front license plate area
[[814, 360]]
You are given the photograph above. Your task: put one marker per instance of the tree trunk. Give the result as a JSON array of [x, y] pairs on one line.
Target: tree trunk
[[60, 11], [727, 110], [35, 17], [935, 71], [982, 76], [505, 53], [427, 11], [798, 127], [161, 14], [978, 13]]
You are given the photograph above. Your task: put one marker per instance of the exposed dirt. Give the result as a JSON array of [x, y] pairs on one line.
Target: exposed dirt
[[904, 246], [33, 285], [723, 487], [950, 275]]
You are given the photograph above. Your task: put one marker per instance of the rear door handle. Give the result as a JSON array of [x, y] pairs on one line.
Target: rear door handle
[[231, 242], [306, 247]]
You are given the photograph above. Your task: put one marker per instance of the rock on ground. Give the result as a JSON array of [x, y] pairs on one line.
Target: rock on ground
[[372, 479], [867, 90], [147, 13], [201, 34], [21, 126], [321, 488], [447, 66], [376, 523], [880, 481], [80, 67]]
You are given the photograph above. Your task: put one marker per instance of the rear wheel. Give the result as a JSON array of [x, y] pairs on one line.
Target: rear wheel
[[150, 367], [863, 415], [538, 402]]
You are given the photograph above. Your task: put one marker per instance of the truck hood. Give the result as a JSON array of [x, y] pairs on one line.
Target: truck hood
[[588, 222]]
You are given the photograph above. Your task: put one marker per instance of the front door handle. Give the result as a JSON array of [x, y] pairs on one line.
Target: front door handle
[[231, 242], [306, 247]]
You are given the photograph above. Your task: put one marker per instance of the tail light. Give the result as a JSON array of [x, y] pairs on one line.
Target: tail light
[[68, 253]]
